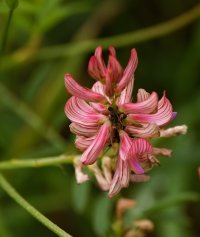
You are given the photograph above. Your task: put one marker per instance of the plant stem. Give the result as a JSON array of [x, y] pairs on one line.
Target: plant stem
[[122, 40], [5, 34], [7, 187], [36, 163]]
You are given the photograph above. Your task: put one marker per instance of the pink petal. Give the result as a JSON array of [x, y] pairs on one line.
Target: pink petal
[[147, 130], [126, 94], [83, 130], [112, 51], [140, 147], [128, 72], [99, 88], [81, 92], [79, 111], [145, 107], [121, 177], [101, 108], [90, 155], [161, 117], [134, 161], [82, 143], [142, 95], [96, 66], [114, 73], [125, 145]]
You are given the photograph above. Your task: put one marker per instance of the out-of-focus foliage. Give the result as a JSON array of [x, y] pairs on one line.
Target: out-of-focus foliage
[[33, 124]]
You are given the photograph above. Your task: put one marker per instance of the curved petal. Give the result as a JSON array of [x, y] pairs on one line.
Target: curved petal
[[121, 177], [90, 155], [96, 66], [134, 161], [140, 148], [113, 75], [161, 117], [126, 94], [81, 92], [142, 95], [99, 88], [145, 107], [82, 143], [125, 145], [147, 130], [129, 71], [112, 51], [79, 111], [83, 130]]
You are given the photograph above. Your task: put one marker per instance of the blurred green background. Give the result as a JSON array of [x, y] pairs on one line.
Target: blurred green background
[[40, 49]]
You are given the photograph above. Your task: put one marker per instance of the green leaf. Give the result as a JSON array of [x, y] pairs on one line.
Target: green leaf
[[102, 215], [12, 4], [80, 196]]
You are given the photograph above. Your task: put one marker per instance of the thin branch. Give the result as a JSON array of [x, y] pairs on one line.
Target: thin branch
[[36, 163], [122, 40], [5, 35], [8, 188]]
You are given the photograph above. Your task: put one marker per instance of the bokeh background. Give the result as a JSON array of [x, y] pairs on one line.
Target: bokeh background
[[46, 40]]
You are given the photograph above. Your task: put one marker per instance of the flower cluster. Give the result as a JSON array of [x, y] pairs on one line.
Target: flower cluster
[[105, 115]]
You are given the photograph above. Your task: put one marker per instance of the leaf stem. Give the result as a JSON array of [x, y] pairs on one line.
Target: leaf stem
[[5, 34], [8, 188], [122, 40], [36, 163]]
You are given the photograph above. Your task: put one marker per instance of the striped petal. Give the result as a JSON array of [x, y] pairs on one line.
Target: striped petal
[[161, 117], [128, 72], [125, 145], [142, 95], [140, 148], [83, 130], [121, 177], [113, 75], [126, 94], [99, 88], [145, 107], [81, 92], [79, 111], [96, 66], [82, 143], [90, 155], [146, 130]]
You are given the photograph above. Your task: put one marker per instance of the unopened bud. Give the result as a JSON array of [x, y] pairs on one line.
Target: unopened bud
[[171, 132], [122, 205]]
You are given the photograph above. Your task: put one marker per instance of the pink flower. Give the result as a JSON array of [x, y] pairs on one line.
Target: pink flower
[[105, 114]]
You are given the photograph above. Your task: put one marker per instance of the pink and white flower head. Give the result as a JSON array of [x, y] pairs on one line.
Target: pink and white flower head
[[106, 114]]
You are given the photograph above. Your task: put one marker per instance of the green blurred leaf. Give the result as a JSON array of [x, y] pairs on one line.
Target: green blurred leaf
[[80, 195], [102, 215]]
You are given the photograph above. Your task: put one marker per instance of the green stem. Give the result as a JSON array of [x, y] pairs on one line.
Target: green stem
[[5, 34], [7, 187], [122, 40], [36, 163]]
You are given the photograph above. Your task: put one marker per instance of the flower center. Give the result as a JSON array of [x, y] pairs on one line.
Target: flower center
[[117, 119]]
